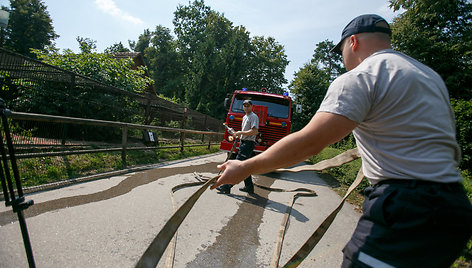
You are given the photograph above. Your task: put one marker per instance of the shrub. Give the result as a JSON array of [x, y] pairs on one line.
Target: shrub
[[463, 112]]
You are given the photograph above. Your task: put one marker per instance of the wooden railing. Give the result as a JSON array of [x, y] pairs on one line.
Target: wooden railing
[[124, 138]]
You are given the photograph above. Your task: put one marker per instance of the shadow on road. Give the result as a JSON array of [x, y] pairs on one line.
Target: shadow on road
[[262, 201]]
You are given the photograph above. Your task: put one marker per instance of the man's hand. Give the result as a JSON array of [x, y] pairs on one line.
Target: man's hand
[[237, 134], [251, 132], [234, 172]]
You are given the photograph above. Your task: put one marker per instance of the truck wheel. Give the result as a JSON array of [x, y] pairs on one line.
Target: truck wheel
[[232, 156]]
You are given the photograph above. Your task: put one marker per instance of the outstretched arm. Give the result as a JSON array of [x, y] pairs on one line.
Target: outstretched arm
[[323, 130]]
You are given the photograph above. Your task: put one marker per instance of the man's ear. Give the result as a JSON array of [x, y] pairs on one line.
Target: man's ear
[[354, 42]]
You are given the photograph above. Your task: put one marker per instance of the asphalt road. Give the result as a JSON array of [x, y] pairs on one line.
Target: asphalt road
[[110, 222]]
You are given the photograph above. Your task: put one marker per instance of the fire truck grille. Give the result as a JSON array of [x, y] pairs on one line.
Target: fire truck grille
[[270, 134], [235, 125]]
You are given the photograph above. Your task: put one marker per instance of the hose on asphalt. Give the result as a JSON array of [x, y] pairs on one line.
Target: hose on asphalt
[[166, 238]]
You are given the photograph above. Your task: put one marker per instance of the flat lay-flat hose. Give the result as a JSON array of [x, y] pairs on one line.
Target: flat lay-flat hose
[[166, 236]]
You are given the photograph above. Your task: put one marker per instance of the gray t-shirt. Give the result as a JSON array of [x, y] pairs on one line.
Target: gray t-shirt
[[249, 122], [406, 124]]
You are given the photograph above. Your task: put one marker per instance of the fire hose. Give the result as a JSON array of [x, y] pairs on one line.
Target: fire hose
[[166, 238]]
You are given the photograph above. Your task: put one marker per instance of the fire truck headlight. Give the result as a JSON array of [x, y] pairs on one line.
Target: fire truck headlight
[[231, 117], [230, 138], [284, 124]]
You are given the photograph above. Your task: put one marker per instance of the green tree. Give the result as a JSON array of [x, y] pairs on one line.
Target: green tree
[[29, 26], [144, 41], [309, 86], [86, 45], [463, 111], [214, 56], [190, 26], [209, 58], [331, 63], [102, 67], [164, 61], [228, 64], [117, 47], [267, 65], [84, 100], [219, 58], [439, 34], [312, 81]]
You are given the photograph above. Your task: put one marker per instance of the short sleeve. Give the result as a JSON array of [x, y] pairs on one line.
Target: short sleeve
[[255, 121], [349, 95]]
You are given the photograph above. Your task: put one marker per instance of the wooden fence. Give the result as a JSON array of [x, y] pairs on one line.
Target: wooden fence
[[64, 146]]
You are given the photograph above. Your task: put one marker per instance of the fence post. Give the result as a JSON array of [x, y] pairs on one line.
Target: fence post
[[124, 139], [147, 110], [209, 141], [182, 134], [204, 127]]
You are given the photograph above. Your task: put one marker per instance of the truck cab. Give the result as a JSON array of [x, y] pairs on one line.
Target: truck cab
[[274, 112]]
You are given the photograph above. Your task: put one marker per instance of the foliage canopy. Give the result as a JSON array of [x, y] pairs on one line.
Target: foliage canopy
[[439, 34], [83, 101], [29, 26], [312, 81], [209, 58]]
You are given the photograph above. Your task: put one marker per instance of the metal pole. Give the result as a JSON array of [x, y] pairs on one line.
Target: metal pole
[[18, 203], [26, 240]]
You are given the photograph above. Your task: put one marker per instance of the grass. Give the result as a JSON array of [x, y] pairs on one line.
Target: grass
[[346, 174], [38, 171]]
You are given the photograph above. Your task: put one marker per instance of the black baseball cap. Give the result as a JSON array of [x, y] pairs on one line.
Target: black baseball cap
[[248, 102], [362, 24]]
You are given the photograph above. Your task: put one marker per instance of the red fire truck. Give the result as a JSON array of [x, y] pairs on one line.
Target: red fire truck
[[274, 112]]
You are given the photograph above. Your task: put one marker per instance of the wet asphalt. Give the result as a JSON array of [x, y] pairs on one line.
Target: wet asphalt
[[110, 222]]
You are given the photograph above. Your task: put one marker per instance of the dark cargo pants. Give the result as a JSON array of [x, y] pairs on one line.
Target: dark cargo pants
[[410, 224]]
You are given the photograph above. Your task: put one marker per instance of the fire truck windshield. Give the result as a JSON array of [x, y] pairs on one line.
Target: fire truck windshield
[[276, 107]]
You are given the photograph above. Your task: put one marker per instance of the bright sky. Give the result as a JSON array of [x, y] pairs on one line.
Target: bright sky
[[298, 25]]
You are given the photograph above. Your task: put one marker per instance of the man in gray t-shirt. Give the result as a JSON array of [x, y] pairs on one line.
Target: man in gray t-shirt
[[249, 125], [248, 133], [416, 214], [406, 126]]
